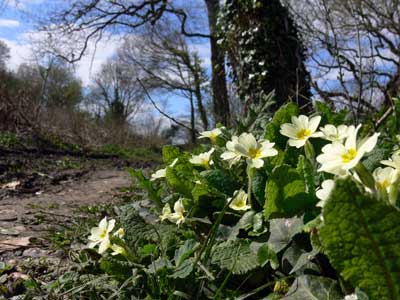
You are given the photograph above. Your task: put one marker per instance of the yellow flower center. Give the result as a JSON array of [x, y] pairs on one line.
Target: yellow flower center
[[349, 155], [254, 153], [384, 184], [103, 234], [303, 133]]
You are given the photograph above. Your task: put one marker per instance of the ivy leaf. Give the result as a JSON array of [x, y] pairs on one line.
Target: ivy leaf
[[361, 237], [304, 260], [282, 232], [286, 193], [265, 254], [310, 287]]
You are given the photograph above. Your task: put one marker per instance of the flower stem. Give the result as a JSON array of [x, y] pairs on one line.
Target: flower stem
[[250, 175], [365, 176]]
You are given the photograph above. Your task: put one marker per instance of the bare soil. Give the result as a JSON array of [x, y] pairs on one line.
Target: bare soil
[[41, 193]]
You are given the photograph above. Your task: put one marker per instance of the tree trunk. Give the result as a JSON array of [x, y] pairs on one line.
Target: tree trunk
[[218, 80], [192, 121], [199, 97]]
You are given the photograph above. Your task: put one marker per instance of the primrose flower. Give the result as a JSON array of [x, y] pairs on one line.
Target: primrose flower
[[119, 233], [211, 134], [351, 297], [338, 158], [203, 159], [162, 172], [335, 134], [100, 235], [300, 130], [385, 178], [117, 249], [240, 201], [231, 154], [177, 216], [254, 150], [393, 162], [324, 192]]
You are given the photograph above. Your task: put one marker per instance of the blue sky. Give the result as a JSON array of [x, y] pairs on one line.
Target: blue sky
[[17, 27]]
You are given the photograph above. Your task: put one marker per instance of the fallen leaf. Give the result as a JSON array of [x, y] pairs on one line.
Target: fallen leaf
[[11, 185]]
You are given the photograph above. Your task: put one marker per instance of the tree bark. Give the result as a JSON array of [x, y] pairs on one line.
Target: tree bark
[[218, 80]]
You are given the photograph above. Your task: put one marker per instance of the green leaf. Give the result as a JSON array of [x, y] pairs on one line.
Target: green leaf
[[235, 256], [282, 232], [265, 254], [169, 154], [146, 184], [245, 222], [305, 168], [361, 237], [286, 193], [304, 260], [283, 115], [184, 269], [258, 186], [221, 181], [375, 157], [184, 251], [309, 287], [178, 183]]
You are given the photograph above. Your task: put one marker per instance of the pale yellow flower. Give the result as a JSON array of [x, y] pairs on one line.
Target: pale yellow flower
[[385, 178], [338, 158], [335, 134], [162, 172], [117, 250], [231, 155], [300, 130], [175, 217], [324, 192], [100, 235], [240, 201], [394, 162], [119, 233], [203, 159], [211, 134], [247, 146]]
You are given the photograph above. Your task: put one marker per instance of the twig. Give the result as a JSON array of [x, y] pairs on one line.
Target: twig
[[384, 117], [161, 112]]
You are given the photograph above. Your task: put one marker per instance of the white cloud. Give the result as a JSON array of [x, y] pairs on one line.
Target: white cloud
[[21, 52], [9, 23]]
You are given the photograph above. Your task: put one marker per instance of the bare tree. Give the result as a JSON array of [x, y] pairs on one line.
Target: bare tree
[[91, 20], [4, 55], [354, 51], [169, 65], [116, 91]]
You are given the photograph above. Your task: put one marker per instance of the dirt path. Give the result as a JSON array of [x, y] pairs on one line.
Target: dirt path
[[25, 219]]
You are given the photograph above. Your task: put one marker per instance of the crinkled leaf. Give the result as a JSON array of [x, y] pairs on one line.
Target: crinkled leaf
[[309, 287], [286, 193], [235, 256], [258, 186], [184, 251], [170, 153], [361, 237], [245, 222], [178, 183], [184, 269], [221, 181]]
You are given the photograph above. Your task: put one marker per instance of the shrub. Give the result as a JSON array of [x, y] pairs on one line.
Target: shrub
[[303, 211]]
